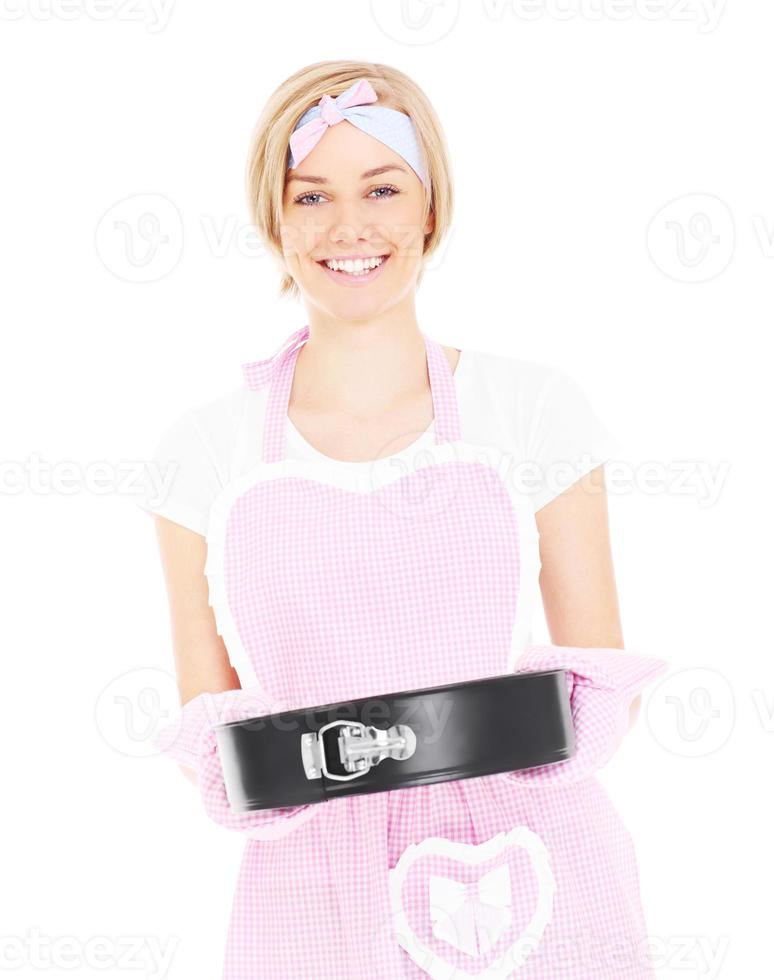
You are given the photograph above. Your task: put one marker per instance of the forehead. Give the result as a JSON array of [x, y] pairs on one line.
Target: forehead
[[346, 153]]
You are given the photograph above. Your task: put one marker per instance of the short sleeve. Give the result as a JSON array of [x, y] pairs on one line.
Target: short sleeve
[[181, 478], [567, 439]]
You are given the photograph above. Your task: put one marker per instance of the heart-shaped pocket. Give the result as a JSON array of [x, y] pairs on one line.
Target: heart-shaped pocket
[[472, 910]]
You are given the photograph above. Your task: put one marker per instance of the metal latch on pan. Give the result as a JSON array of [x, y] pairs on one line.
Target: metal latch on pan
[[360, 747]]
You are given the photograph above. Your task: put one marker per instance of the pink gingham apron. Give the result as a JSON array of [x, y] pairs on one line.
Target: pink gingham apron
[[345, 582]]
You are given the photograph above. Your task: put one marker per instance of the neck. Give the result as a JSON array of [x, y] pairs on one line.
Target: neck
[[360, 367]]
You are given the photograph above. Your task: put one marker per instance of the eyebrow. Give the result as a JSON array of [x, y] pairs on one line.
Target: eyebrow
[[364, 176]]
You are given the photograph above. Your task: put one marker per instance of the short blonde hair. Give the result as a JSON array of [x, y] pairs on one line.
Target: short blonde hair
[[267, 158]]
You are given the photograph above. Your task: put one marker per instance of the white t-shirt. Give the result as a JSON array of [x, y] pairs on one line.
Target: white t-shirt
[[537, 413]]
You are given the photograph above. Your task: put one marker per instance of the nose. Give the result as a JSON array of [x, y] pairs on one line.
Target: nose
[[350, 224]]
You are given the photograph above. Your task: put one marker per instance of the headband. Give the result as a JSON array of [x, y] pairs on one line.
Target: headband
[[391, 127]]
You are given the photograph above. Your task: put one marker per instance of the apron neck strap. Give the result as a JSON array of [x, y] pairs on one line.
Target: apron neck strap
[[442, 388], [444, 392]]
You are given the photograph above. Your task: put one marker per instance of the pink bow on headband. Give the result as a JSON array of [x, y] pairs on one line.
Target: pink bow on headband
[[306, 137]]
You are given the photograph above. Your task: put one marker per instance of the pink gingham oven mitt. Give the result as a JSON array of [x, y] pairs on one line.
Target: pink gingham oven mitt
[[602, 683], [190, 740]]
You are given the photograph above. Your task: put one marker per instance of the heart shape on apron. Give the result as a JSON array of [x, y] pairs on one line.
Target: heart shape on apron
[[472, 910]]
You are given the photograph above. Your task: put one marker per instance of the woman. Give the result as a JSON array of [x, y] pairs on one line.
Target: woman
[[338, 566]]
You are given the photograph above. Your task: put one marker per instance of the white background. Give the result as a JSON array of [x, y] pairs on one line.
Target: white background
[[615, 218]]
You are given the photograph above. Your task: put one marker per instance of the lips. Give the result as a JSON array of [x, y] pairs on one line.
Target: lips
[[351, 258], [349, 279]]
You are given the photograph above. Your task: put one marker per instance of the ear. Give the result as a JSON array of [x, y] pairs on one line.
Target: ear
[[430, 224]]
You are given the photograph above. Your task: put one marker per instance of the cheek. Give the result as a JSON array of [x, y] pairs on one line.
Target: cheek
[[301, 236], [405, 232], [288, 237]]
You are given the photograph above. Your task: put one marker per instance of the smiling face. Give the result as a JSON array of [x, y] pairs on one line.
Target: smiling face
[[356, 205]]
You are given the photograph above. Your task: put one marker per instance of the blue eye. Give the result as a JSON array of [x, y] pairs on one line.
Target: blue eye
[[302, 199], [387, 187]]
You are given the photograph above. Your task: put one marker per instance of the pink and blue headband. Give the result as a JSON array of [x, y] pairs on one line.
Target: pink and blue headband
[[391, 127]]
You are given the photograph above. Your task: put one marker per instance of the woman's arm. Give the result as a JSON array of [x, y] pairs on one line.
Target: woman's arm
[[201, 658], [210, 690], [577, 580]]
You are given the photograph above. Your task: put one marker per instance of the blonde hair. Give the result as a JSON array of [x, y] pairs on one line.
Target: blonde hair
[[267, 158]]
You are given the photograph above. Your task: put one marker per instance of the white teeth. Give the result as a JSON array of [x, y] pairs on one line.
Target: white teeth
[[354, 267]]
